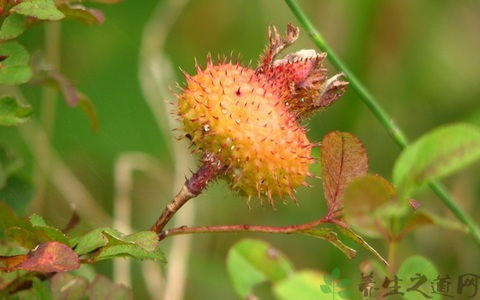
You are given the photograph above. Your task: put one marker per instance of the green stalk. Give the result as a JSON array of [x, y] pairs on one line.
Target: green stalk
[[369, 100]]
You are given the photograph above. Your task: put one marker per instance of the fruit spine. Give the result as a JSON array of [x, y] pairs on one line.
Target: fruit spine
[[249, 119]]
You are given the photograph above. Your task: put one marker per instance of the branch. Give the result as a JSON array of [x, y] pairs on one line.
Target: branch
[[243, 228], [211, 169], [387, 121]]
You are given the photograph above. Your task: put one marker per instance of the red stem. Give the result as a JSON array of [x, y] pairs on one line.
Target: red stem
[[242, 228]]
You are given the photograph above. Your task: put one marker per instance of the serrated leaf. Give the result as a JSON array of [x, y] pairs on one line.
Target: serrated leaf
[[360, 241], [40, 9], [363, 199], [329, 235], [83, 14], [67, 286], [435, 155], [343, 158], [305, 285], [50, 257], [103, 288], [93, 240], [15, 67], [13, 113], [13, 26], [41, 227], [413, 267], [251, 262], [141, 245]]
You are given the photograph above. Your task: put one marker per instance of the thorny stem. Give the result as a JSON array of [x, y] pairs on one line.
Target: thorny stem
[[243, 228], [393, 130], [180, 199], [210, 169]]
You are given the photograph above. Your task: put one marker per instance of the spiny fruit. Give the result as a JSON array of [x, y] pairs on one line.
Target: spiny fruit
[[248, 119]]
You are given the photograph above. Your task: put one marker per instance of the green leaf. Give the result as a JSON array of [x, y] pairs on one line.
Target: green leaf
[[40, 9], [41, 288], [413, 267], [329, 235], [103, 288], [363, 199], [435, 155], [10, 162], [305, 285], [67, 286], [12, 113], [53, 234], [82, 14], [251, 262], [93, 240], [13, 26], [141, 245], [15, 67], [109, 243]]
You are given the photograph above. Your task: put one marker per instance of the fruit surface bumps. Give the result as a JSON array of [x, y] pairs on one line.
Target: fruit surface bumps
[[235, 113]]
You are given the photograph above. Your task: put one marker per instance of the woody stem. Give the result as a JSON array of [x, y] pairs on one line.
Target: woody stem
[[210, 169], [243, 228]]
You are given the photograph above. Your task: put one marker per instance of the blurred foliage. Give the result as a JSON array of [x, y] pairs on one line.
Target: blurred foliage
[[419, 57]]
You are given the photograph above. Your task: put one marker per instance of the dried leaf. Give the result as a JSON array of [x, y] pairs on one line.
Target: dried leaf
[[50, 257], [343, 158]]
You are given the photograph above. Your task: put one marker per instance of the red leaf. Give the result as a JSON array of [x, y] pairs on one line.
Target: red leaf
[[343, 159], [50, 257]]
